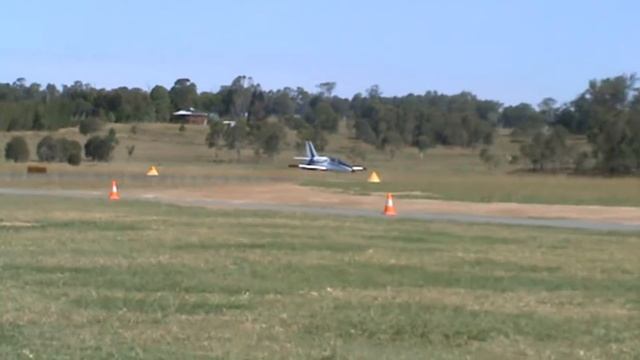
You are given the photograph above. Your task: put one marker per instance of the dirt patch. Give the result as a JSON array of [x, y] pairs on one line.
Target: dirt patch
[[292, 194]]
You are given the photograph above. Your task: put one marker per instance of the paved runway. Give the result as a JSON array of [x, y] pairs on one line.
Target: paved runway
[[248, 205]]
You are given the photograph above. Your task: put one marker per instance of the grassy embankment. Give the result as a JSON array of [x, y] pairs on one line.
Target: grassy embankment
[[443, 173]]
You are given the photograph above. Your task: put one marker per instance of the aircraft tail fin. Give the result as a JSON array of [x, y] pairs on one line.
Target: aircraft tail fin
[[311, 151]]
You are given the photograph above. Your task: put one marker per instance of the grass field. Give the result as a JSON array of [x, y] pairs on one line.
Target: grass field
[[91, 279], [443, 173]]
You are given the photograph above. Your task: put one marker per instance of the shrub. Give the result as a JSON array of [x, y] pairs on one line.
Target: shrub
[[134, 129], [182, 128], [88, 126], [47, 149], [17, 150], [60, 150], [69, 151], [99, 148], [74, 159]]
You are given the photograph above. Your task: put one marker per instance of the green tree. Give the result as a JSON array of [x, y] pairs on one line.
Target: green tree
[[38, 122], [326, 88], [183, 94], [270, 138], [547, 108], [99, 148], [614, 128], [215, 135], [392, 142], [521, 116], [364, 132], [547, 149], [282, 105], [89, 126], [236, 136], [17, 150], [47, 149], [161, 102], [323, 117]]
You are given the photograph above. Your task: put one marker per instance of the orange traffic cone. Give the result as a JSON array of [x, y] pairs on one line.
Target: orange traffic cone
[[113, 195], [389, 209]]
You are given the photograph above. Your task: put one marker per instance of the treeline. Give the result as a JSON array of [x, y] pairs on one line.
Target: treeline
[[607, 113], [416, 120]]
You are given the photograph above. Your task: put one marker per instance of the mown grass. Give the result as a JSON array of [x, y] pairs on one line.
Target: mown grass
[[91, 279]]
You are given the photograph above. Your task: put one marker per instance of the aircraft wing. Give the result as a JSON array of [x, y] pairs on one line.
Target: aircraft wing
[[301, 158], [312, 167]]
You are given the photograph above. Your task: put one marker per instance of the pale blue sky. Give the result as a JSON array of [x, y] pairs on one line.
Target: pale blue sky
[[510, 51]]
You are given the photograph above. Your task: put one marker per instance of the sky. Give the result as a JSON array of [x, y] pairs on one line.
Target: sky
[[507, 50]]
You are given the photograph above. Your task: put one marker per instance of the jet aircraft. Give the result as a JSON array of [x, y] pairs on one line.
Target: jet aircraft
[[313, 161]]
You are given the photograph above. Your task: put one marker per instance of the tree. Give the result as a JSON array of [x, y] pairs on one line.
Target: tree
[[47, 149], [215, 136], [282, 105], [183, 94], [257, 107], [614, 128], [364, 132], [210, 102], [161, 102], [69, 151], [236, 97], [38, 123], [17, 150], [547, 149], [323, 117], [326, 88], [522, 116], [422, 143], [99, 148], [374, 92], [270, 138], [90, 125], [236, 136], [392, 142], [548, 109]]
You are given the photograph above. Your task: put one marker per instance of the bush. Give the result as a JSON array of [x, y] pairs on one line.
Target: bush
[[270, 138], [89, 126], [47, 149], [74, 159], [133, 129], [60, 150], [99, 148], [17, 150], [182, 128], [69, 151]]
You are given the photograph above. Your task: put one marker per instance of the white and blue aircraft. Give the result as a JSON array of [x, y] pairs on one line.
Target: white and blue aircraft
[[313, 161]]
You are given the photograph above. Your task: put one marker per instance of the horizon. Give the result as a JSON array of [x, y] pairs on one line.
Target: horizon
[[497, 50]]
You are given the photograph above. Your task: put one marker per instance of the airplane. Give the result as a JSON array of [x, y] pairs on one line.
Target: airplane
[[313, 161]]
